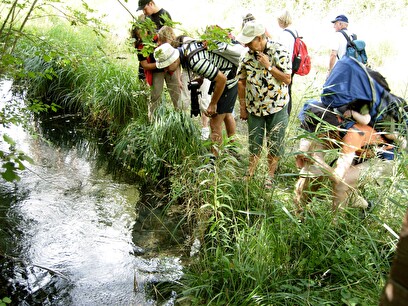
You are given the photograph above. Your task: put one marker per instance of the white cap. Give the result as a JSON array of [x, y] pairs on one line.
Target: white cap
[[250, 31]]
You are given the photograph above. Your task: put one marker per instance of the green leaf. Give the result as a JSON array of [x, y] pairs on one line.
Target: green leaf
[[47, 58], [9, 140], [10, 175]]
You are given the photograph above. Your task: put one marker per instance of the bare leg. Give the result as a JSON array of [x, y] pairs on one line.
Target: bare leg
[[230, 124], [300, 194], [216, 132], [253, 163], [272, 165], [344, 189]]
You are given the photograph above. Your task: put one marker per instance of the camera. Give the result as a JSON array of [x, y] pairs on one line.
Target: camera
[[193, 86]]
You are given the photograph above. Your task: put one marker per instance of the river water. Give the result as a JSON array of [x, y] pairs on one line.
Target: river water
[[72, 233]]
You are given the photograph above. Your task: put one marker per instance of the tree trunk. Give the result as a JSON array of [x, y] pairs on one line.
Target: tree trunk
[[396, 290]]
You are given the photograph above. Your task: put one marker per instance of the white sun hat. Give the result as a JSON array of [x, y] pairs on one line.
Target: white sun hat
[[250, 31], [165, 55]]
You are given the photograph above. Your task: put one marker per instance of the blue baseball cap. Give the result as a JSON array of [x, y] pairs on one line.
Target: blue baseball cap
[[340, 18]]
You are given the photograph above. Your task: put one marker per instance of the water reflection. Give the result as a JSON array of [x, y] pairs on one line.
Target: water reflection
[[70, 224]]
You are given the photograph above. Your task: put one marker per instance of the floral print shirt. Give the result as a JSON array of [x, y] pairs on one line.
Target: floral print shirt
[[264, 94]]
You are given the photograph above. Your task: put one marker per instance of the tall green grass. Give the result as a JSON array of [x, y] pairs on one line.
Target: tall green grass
[[71, 68], [256, 251], [254, 248], [153, 150]]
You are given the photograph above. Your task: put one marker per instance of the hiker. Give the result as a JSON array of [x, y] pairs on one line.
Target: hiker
[[221, 71], [251, 18], [287, 38], [338, 43], [145, 69], [359, 111], [155, 13], [264, 75], [358, 147], [166, 35], [152, 11], [357, 114]]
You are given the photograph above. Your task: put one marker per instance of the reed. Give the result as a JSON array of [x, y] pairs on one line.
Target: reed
[[153, 150], [254, 249], [77, 75]]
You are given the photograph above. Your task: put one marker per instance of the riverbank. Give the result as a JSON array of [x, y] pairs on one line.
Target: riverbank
[[252, 246]]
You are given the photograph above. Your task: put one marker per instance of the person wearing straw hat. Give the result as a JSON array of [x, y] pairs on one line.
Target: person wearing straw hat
[[153, 12], [210, 65]]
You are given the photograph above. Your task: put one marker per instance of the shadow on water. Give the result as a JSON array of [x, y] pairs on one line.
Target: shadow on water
[[71, 232]]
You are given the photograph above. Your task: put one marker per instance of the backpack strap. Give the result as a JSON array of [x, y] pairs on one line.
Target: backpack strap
[[349, 42], [293, 34], [346, 36], [187, 56]]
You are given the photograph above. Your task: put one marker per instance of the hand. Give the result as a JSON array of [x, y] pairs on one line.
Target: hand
[[263, 59], [347, 114], [211, 111], [243, 113], [199, 80]]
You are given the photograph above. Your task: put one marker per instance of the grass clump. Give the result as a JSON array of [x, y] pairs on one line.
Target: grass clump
[[73, 71], [152, 150]]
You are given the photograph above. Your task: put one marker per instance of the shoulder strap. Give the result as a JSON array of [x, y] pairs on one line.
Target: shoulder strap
[[188, 56], [194, 52], [346, 36], [293, 34]]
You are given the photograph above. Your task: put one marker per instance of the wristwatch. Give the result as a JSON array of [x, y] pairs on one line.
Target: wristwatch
[[270, 69]]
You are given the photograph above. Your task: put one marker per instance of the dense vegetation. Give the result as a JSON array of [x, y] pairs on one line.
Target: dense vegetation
[[254, 247]]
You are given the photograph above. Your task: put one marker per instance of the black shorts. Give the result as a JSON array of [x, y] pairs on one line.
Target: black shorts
[[227, 100]]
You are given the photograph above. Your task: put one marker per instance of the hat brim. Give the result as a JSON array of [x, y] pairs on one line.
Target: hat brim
[[243, 39], [174, 56], [140, 8]]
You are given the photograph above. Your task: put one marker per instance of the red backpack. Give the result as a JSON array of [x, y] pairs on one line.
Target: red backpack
[[301, 62]]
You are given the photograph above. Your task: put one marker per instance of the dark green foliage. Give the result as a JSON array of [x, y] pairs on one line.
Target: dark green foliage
[[153, 150], [82, 79]]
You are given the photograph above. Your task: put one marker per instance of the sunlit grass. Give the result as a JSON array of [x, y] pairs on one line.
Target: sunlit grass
[[254, 248]]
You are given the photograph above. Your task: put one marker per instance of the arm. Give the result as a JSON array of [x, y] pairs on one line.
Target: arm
[[276, 73], [358, 117], [220, 81], [242, 102], [147, 66], [333, 59]]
